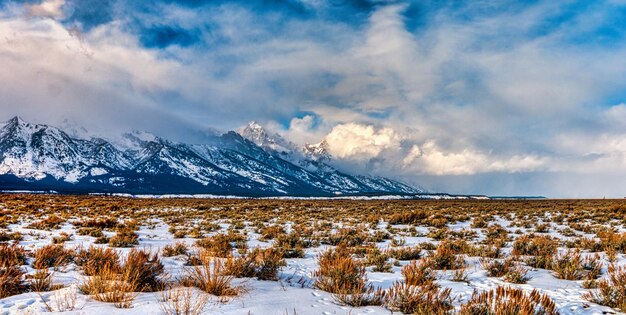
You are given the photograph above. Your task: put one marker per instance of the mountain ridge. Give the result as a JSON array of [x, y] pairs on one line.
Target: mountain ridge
[[44, 157]]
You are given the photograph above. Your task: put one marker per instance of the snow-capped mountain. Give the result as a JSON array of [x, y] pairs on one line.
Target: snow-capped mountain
[[269, 142], [317, 152], [41, 157], [316, 159]]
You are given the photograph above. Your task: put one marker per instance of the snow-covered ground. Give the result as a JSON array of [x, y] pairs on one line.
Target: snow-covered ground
[[293, 293]]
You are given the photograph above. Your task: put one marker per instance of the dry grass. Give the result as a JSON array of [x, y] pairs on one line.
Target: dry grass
[[211, 278], [52, 256], [41, 281], [124, 238], [356, 227], [445, 258], [612, 291], [177, 249], [410, 299], [183, 301], [94, 259], [11, 281], [145, 267], [418, 273], [339, 273], [508, 301], [63, 300], [12, 255], [109, 286]]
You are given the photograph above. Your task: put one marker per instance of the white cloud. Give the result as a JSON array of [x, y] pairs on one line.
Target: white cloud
[[458, 96], [431, 159], [47, 8], [360, 142]]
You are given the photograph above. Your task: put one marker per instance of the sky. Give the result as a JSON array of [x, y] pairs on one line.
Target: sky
[[474, 97]]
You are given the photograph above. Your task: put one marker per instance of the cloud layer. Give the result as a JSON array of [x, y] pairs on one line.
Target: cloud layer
[[453, 96]]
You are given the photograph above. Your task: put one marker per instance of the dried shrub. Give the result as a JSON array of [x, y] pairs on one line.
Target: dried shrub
[[517, 274], [211, 278], [410, 299], [124, 238], [109, 286], [348, 236], [145, 267], [61, 238], [221, 245], [418, 273], [496, 267], [568, 265], [271, 232], [375, 257], [11, 281], [52, 256], [445, 257], [340, 274], [292, 245], [534, 245], [95, 259], [10, 236], [183, 301], [408, 217], [98, 223], [49, 223], [405, 253], [267, 262], [612, 291], [90, 231], [41, 281], [613, 240], [505, 300], [177, 249], [541, 248], [12, 255]]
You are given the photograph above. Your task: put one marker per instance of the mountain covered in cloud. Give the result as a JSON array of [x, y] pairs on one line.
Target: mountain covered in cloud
[[250, 162]]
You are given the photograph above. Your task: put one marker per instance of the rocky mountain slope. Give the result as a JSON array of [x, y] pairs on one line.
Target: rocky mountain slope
[[249, 163]]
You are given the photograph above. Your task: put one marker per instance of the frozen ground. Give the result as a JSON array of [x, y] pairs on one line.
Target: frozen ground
[[293, 293]]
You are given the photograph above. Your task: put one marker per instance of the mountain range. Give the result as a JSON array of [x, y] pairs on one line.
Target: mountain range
[[246, 162]]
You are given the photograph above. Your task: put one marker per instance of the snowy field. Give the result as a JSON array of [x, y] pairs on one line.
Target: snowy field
[[566, 250]]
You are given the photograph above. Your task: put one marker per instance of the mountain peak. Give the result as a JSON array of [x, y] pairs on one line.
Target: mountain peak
[[16, 121], [256, 133], [254, 125], [317, 151]]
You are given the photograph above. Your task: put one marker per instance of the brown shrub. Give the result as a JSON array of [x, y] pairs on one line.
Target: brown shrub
[[405, 253], [505, 300], [418, 273], [210, 277], [177, 249], [52, 256], [124, 238], [11, 281], [109, 286], [94, 259], [612, 291], [445, 257], [145, 267], [410, 299], [12, 255]]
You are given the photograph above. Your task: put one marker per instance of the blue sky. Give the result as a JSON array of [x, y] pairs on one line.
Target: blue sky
[[493, 97]]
